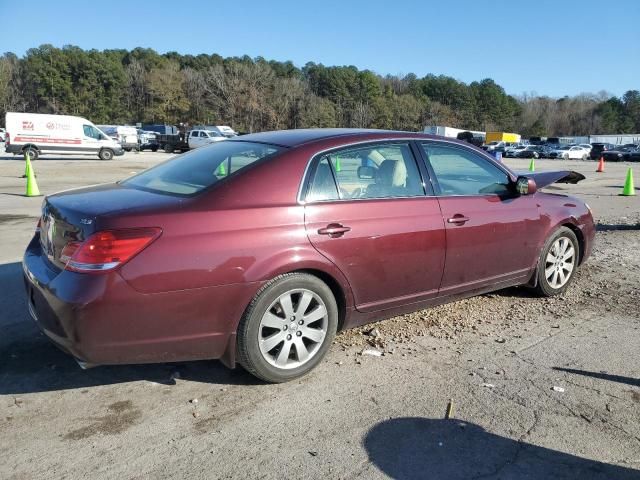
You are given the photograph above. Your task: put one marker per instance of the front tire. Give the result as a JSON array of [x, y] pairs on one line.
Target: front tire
[[557, 263], [288, 328], [105, 154]]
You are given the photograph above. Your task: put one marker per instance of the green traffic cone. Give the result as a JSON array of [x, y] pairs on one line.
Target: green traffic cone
[[532, 165], [27, 165], [629, 189], [32, 186], [222, 170], [338, 165]]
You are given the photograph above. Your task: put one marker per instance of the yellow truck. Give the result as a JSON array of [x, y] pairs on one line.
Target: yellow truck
[[502, 137]]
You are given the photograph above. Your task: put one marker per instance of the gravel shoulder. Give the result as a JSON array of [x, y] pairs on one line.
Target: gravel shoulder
[[544, 388]]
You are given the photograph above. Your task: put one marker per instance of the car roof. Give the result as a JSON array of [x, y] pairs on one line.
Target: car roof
[[294, 138]]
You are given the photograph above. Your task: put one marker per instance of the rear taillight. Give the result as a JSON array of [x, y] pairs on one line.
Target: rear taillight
[[108, 249]]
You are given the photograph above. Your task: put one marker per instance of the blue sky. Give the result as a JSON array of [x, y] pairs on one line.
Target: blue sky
[[556, 48]]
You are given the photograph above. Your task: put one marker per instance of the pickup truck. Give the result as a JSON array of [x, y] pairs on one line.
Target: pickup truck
[[188, 141]]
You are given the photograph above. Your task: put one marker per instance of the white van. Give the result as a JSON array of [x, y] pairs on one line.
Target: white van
[[125, 135], [37, 134], [223, 130]]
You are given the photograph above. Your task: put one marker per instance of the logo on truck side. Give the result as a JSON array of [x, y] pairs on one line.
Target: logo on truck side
[[26, 125]]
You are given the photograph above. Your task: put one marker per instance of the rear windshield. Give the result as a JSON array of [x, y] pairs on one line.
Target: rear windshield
[[192, 172]]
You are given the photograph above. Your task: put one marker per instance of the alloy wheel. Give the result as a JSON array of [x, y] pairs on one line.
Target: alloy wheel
[[560, 262], [293, 329]]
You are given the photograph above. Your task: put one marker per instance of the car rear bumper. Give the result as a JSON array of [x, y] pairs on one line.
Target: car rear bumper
[[101, 319]]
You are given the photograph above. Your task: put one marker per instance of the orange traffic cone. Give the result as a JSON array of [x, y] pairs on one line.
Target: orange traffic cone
[[600, 168]]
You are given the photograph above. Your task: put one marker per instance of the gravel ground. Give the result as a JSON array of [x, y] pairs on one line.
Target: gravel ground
[[538, 388]]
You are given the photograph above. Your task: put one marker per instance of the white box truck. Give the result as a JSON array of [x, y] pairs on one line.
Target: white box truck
[[37, 134]]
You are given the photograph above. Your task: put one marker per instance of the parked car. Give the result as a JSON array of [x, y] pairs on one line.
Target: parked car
[[301, 234], [634, 155], [3, 134], [570, 152], [621, 153], [597, 150], [531, 151], [147, 140], [495, 145], [126, 136], [586, 146], [514, 150], [34, 134]]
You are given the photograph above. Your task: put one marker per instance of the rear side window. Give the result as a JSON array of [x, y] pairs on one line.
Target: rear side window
[[192, 172], [462, 172], [323, 185], [374, 171]]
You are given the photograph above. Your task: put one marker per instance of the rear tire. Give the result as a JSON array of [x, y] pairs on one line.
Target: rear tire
[[154, 149], [105, 154], [32, 152], [558, 263], [288, 328]]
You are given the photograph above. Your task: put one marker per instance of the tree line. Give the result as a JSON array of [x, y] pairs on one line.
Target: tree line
[[254, 94]]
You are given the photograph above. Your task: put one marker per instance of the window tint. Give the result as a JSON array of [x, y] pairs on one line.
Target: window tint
[[323, 186], [375, 171], [461, 172], [194, 171]]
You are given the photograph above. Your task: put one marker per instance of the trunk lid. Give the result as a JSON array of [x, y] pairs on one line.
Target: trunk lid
[[73, 215]]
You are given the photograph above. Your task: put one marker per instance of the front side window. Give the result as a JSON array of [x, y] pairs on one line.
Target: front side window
[[462, 172], [374, 171], [192, 172], [91, 132]]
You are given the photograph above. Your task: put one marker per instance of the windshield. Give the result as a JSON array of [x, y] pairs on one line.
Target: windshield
[[192, 172]]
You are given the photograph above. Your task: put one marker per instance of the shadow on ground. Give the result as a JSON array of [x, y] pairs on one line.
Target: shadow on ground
[[634, 382], [30, 363], [603, 227], [413, 447]]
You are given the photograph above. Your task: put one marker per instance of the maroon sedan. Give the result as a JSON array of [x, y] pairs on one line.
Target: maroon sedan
[[258, 249]]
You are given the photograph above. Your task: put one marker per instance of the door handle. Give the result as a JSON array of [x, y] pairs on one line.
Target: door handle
[[458, 219], [334, 230]]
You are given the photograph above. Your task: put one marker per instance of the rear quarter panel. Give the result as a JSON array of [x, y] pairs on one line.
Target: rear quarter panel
[[249, 229]]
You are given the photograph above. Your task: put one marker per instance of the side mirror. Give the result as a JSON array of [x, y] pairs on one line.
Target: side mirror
[[526, 186], [366, 173]]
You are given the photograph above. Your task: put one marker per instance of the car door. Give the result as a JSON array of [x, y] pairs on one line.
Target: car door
[[367, 211], [492, 234], [194, 139], [91, 138]]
